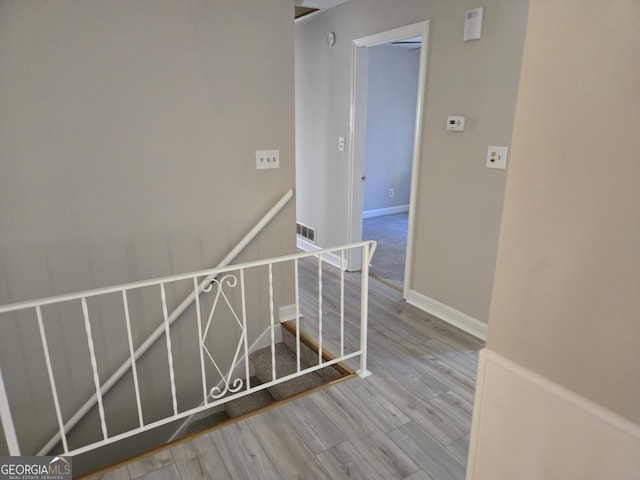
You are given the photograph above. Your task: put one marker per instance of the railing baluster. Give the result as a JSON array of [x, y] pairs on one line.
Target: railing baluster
[[134, 368], [297, 299], [364, 312], [6, 420], [94, 367], [52, 381], [167, 334], [244, 330], [342, 302], [319, 308], [231, 390], [272, 317], [203, 373]]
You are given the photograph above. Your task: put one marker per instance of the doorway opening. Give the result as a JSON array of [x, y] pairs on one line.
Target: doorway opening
[[388, 87], [392, 90]]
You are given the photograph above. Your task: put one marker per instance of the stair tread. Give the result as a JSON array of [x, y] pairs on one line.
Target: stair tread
[[285, 365], [249, 403], [285, 361], [309, 356]]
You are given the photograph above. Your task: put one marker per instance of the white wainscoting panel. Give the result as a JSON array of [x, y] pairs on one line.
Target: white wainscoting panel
[[528, 427]]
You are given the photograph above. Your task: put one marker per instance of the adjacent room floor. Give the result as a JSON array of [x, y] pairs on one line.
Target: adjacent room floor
[[410, 419], [390, 231]]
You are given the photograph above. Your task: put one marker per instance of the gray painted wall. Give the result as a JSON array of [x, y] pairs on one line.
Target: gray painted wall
[[127, 141], [392, 90], [566, 300], [459, 201]]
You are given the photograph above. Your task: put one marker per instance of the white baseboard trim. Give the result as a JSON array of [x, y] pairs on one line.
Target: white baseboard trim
[[330, 258], [449, 314], [385, 211], [287, 312], [526, 425]]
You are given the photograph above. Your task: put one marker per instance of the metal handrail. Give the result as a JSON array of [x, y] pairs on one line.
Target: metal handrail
[[232, 390], [6, 419]]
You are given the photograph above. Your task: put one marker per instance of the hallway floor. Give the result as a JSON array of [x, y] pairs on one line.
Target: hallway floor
[[410, 419]]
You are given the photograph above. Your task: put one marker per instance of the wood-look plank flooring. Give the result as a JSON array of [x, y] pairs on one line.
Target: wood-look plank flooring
[[410, 419]]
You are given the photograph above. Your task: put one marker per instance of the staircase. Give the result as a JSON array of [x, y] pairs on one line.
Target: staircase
[[261, 366], [127, 422]]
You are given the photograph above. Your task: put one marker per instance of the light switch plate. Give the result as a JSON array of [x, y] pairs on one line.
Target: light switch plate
[[455, 123], [267, 159], [497, 157]]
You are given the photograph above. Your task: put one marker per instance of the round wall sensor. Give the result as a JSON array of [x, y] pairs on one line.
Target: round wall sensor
[[331, 39]]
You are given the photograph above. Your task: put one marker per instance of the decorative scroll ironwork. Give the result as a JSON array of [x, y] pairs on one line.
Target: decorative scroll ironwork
[[229, 385]]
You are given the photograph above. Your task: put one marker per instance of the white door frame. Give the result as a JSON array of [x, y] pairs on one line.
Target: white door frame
[[357, 135]]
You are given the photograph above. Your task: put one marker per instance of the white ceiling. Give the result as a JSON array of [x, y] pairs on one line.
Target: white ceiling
[[320, 4]]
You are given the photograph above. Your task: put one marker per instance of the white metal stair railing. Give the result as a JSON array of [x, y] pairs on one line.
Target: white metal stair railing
[[213, 281], [129, 364]]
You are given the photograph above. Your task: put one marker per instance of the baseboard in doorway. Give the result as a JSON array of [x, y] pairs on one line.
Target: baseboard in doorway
[[385, 211]]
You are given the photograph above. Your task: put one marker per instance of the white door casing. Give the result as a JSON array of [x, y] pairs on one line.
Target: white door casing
[[357, 135]]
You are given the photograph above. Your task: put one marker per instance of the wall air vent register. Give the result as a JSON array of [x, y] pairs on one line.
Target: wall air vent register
[[306, 232]]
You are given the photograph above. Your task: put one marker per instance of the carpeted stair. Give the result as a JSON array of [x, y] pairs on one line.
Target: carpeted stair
[[285, 355], [285, 365], [252, 402], [308, 356]]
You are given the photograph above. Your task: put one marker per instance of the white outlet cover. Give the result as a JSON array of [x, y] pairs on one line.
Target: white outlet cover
[[267, 159], [497, 157]]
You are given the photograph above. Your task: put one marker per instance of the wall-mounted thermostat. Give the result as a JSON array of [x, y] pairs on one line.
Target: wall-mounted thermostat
[[455, 123], [473, 24]]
